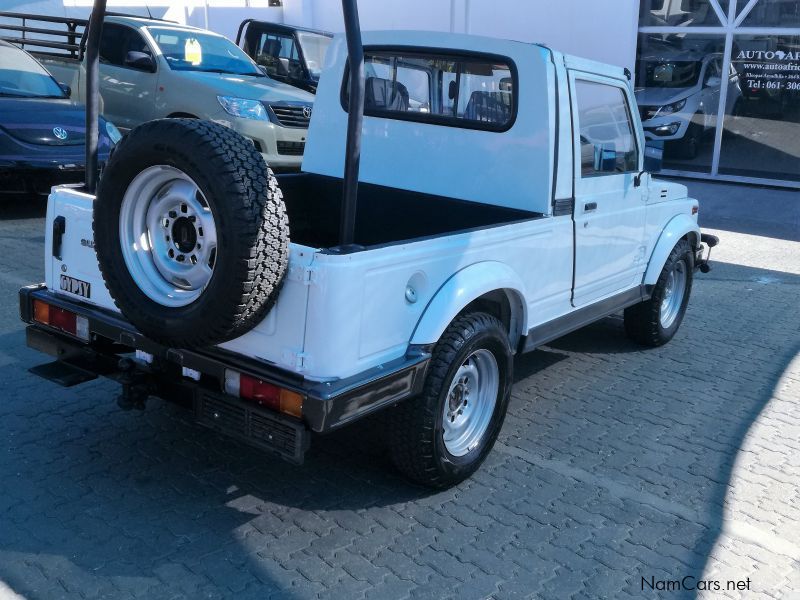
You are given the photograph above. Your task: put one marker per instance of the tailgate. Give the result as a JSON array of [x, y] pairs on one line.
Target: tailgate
[[72, 271]]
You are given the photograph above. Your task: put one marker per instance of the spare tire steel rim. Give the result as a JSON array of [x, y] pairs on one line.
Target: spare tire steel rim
[[674, 291], [168, 236], [470, 402]]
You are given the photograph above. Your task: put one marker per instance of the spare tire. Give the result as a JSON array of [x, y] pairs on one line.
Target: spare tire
[[190, 232]]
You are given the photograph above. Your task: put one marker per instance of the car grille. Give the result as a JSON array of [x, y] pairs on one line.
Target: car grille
[[292, 115], [291, 148]]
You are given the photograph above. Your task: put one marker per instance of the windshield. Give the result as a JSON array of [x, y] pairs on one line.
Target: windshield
[[196, 51], [314, 47], [22, 77], [669, 73]]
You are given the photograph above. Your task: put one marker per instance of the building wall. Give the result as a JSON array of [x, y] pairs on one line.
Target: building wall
[[603, 30]]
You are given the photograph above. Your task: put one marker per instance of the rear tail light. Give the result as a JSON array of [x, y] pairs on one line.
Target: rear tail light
[[61, 319], [263, 393]]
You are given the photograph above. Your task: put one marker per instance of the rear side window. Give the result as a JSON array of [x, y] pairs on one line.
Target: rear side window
[[608, 143], [474, 92]]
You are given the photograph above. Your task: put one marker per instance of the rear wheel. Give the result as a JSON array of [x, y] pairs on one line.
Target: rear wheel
[[441, 437], [656, 321]]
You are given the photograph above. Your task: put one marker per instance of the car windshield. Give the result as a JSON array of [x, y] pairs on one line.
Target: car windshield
[[669, 73], [187, 50], [23, 77], [314, 47]]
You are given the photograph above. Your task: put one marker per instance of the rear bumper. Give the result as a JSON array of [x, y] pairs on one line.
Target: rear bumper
[[326, 405]]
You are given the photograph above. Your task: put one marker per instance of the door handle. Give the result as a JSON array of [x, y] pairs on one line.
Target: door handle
[[590, 206], [59, 228]]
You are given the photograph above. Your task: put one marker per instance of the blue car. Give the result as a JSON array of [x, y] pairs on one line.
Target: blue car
[[42, 132]]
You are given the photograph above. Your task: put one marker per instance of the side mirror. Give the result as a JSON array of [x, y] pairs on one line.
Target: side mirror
[[605, 158], [66, 89], [714, 82], [653, 155], [140, 60]]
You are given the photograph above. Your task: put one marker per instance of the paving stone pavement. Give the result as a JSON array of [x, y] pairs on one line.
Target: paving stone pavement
[[618, 467]]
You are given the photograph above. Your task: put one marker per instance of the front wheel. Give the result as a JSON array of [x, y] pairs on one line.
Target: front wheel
[[441, 437], [655, 322]]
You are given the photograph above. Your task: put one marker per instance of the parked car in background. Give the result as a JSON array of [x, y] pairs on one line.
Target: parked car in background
[[678, 98], [42, 131], [152, 69], [294, 55]]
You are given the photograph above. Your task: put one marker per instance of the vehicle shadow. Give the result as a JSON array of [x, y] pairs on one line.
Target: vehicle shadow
[[615, 462]]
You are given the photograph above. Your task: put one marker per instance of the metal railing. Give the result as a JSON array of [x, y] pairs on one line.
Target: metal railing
[[17, 28]]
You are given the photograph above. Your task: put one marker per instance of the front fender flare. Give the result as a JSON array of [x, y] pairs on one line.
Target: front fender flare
[[677, 228], [468, 284]]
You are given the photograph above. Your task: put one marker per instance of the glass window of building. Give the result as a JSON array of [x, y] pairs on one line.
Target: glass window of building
[[725, 100], [681, 13]]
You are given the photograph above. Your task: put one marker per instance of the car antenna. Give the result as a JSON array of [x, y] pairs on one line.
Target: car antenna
[[149, 14], [355, 54], [95, 32]]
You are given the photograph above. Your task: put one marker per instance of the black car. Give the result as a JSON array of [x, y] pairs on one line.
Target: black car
[[42, 132], [293, 55]]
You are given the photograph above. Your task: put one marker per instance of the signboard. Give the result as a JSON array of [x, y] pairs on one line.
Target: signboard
[[767, 73]]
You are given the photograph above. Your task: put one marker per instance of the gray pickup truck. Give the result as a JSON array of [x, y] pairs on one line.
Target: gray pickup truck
[[153, 69]]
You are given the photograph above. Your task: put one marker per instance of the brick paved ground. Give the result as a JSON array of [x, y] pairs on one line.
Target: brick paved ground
[[615, 464]]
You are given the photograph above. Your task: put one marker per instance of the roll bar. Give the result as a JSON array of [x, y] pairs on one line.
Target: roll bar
[[93, 92], [355, 117]]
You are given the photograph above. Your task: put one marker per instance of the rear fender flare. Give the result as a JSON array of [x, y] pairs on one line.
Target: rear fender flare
[[676, 229], [464, 287]]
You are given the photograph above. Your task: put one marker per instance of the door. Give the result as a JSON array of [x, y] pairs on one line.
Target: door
[[279, 55], [609, 206], [127, 85]]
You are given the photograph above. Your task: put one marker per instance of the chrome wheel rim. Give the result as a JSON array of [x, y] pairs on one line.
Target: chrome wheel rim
[[470, 402], [673, 295], [168, 236]]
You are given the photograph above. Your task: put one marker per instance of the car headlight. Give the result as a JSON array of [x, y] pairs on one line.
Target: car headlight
[[668, 109], [243, 108], [114, 134]]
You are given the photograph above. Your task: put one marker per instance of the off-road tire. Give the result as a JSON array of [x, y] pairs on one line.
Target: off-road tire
[[643, 320], [252, 231], [414, 427]]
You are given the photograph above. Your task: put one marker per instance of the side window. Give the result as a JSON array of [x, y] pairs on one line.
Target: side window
[[278, 55], [111, 44], [117, 41], [607, 138], [472, 92], [712, 70]]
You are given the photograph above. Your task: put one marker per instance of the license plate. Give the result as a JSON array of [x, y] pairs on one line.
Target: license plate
[[76, 286]]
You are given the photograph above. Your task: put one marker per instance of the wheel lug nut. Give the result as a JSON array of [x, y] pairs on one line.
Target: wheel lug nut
[[171, 253], [173, 214], [181, 258], [192, 219]]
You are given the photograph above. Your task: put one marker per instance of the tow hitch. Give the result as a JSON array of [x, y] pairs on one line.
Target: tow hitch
[[710, 241]]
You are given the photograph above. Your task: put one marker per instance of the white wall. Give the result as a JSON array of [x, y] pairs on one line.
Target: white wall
[[603, 30]]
